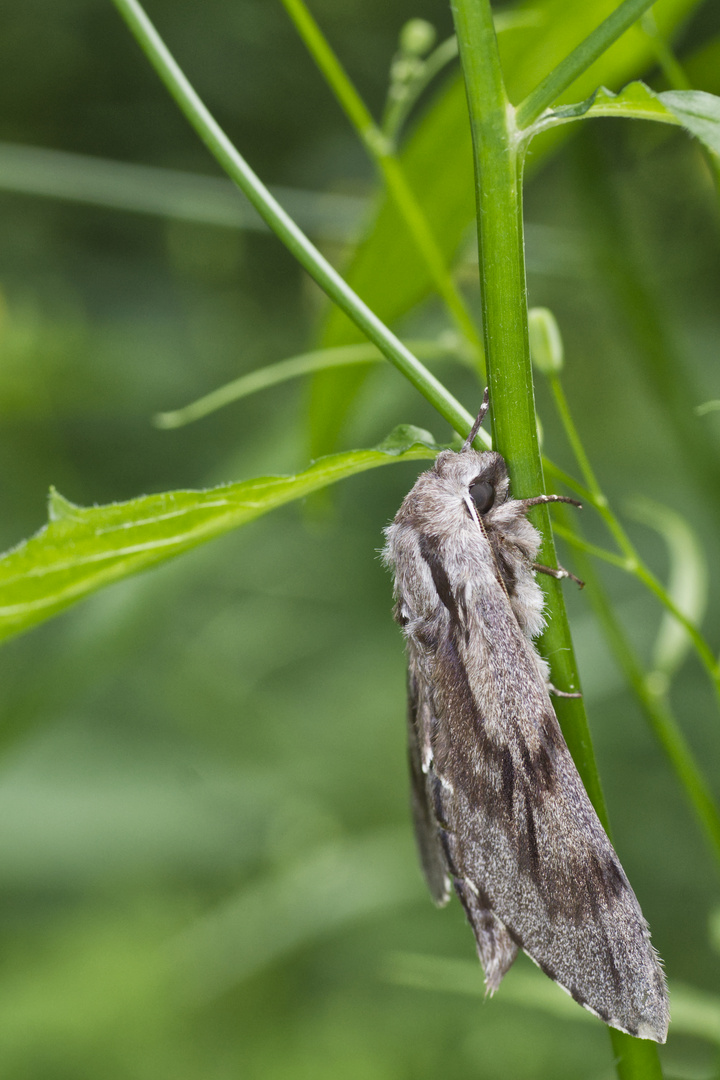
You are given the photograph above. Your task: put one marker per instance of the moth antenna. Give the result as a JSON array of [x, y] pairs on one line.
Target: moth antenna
[[561, 693], [478, 422]]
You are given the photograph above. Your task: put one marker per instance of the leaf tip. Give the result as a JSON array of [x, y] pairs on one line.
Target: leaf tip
[[60, 508]]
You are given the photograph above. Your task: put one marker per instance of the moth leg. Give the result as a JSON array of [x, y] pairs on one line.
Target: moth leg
[[540, 500], [495, 947], [561, 693], [558, 573]]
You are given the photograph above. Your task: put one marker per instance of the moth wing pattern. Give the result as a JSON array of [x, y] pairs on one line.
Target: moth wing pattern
[[425, 817], [500, 806], [429, 801]]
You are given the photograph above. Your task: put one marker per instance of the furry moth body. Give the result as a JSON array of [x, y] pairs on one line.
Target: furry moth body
[[500, 811]]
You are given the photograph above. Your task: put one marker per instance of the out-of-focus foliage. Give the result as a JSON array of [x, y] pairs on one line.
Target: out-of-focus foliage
[[438, 161], [207, 863]]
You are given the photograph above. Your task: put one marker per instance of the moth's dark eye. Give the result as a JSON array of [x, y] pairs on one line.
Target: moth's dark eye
[[483, 495]]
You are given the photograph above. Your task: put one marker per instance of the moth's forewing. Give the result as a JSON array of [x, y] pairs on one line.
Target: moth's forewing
[[497, 799], [520, 833], [427, 835], [496, 948]]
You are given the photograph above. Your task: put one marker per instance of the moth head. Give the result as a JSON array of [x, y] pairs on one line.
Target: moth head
[[481, 476]]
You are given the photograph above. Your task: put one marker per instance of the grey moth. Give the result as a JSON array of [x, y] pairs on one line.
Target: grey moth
[[499, 809]]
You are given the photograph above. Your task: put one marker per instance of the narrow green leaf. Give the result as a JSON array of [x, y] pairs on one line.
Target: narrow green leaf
[[170, 193], [696, 111], [634, 100], [296, 366], [261, 379], [82, 549]]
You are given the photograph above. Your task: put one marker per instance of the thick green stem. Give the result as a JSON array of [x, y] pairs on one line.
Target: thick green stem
[[502, 280], [498, 174]]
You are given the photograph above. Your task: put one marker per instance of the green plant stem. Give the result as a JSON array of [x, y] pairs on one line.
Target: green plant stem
[[398, 109], [635, 1059], [579, 60], [551, 470], [655, 706], [498, 171], [293, 367], [571, 537], [502, 281], [380, 149], [500, 246], [294, 239], [631, 562]]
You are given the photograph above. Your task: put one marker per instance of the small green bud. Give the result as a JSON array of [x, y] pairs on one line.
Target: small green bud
[[404, 69], [546, 347], [417, 37]]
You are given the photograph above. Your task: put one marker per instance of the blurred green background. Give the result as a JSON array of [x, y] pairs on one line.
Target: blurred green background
[[206, 860]]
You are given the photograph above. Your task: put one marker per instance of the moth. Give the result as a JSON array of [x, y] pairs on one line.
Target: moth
[[499, 809]]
